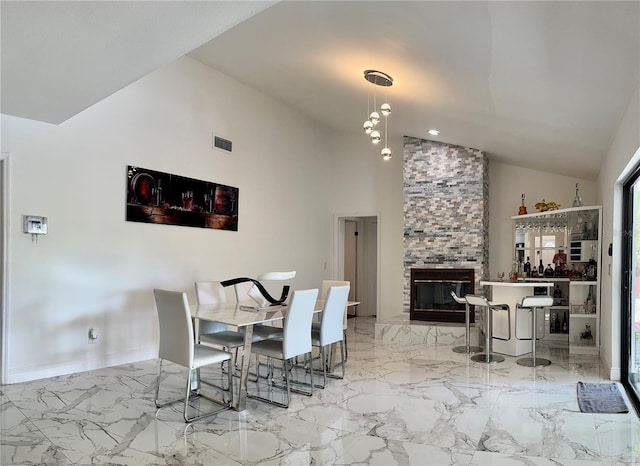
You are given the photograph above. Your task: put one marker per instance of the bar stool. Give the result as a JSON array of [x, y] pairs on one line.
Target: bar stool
[[467, 348], [533, 303], [487, 309]]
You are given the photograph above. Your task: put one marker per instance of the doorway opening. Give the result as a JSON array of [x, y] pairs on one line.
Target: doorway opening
[[356, 260]]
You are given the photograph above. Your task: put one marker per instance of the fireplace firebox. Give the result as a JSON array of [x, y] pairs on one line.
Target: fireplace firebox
[[431, 298]]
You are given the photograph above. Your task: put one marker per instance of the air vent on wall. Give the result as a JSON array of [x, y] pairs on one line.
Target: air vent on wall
[[222, 144]]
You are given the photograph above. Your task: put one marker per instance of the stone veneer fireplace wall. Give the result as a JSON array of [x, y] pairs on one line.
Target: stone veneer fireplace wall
[[446, 213]]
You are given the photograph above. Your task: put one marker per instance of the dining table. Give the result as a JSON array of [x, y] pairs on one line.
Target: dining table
[[242, 317]]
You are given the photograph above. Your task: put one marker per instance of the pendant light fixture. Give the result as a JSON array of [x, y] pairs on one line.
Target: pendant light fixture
[[370, 126]]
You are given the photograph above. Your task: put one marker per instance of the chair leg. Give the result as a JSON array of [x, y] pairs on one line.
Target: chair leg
[[343, 359], [186, 398], [230, 377], [158, 383], [346, 350], [287, 381], [157, 400], [324, 362]]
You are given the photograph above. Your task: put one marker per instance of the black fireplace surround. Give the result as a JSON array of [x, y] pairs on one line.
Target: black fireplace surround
[[431, 298]]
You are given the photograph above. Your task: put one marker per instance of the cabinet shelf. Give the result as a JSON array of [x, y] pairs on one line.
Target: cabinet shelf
[[578, 230]]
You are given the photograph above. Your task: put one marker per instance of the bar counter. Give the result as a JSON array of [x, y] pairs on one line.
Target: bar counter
[[511, 293]]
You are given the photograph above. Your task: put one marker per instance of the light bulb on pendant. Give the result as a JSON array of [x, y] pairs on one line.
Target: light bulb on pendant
[[385, 109], [368, 127], [386, 153], [374, 118], [375, 136]]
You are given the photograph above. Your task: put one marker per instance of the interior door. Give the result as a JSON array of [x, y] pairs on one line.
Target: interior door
[[357, 261], [351, 257]]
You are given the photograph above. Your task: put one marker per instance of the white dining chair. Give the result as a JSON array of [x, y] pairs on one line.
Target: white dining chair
[[295, 341], [326, 284], [331, 330], [177, 345], [215, 333]]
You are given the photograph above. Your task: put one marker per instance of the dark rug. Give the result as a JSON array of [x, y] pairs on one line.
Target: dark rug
[[600, 398]]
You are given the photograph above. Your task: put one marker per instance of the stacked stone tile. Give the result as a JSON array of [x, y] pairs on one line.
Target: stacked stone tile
[[446, 213]]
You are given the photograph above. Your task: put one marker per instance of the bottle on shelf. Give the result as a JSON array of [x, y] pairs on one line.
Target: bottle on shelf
[[575, 273], [557, 272], [558, 326], [527, 268], [557, 292], [552, 322], [522, 210], [588, 304], [564, 327], [541, 269], [577, 201], [549, 271], [592, 269]]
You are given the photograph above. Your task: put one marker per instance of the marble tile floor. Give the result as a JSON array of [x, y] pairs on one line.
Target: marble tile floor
[[407, 404]]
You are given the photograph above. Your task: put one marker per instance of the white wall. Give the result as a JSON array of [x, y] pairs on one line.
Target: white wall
[[363, 185], [623, 154], [507, 183], [94, 269]]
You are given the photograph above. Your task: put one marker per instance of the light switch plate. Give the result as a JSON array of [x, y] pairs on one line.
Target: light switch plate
[[35, 225]]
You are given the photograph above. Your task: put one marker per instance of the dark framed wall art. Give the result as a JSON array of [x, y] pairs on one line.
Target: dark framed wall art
[[157, 197]]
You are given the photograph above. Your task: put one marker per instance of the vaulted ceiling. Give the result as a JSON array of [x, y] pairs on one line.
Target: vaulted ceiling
[[537, 84]]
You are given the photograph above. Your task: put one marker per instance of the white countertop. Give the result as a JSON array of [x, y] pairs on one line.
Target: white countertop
[[511, 284]]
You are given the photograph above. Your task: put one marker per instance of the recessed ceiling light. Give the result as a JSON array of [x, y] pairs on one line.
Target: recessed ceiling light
[[434, 132]]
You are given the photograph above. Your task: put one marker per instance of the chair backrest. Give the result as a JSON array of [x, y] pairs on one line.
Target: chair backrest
[[297, 323], [537, 301], [326, 284], [277, 275], [242, 291], [331, 326], [210, 292], [476, 300], [176, 328], [457, 298]]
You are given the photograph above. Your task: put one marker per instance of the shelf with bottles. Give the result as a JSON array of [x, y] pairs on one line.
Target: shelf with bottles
[[558, 320], [584, 317]]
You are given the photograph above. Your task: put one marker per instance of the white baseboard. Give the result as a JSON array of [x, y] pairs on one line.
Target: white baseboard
[[615, 373], [27, 374]]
